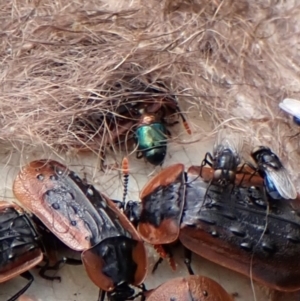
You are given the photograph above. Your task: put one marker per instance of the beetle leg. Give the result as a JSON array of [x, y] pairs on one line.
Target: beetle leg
[[143, 297], [101, 296], [30, 279], [72, 261], [157, 263], [143, 289], [55, 267], [255, 170], [205, 161], [244, 174], [165, 252], [119, 204], [188, 260], [184, 121]]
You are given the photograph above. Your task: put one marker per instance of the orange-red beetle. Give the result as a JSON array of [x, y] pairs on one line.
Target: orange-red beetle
[[234, 228], [86, 221], [198, 288], [20, 247]]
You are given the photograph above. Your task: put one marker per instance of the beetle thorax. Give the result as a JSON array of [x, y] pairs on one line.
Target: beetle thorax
[[147, 119]]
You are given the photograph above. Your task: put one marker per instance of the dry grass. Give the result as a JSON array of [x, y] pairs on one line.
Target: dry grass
[[63, 62]]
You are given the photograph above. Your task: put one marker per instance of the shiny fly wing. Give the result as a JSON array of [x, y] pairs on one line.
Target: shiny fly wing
[[282, 181], [227, 139], [162, 204], [291, 106], [52, 192]]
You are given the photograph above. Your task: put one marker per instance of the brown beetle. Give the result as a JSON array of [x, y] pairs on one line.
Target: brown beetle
[[20, 248], [198, 288], [86, 221], [232, 228]]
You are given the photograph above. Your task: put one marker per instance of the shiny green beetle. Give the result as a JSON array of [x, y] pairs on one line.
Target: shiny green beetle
[[151, 134]]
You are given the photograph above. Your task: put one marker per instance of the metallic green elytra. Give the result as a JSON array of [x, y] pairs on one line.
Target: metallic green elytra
[[152, 142]]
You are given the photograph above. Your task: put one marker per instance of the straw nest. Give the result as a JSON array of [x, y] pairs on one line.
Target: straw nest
[[65, 66]]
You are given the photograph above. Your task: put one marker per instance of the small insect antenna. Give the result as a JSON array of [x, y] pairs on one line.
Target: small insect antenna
[[184, 120], [125, 170]]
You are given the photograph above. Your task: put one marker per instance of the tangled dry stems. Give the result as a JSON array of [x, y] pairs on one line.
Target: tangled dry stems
[[65, 64]]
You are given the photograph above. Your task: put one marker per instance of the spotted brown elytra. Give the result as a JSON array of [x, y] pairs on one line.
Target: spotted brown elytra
[[86, 221], [190, 288]]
